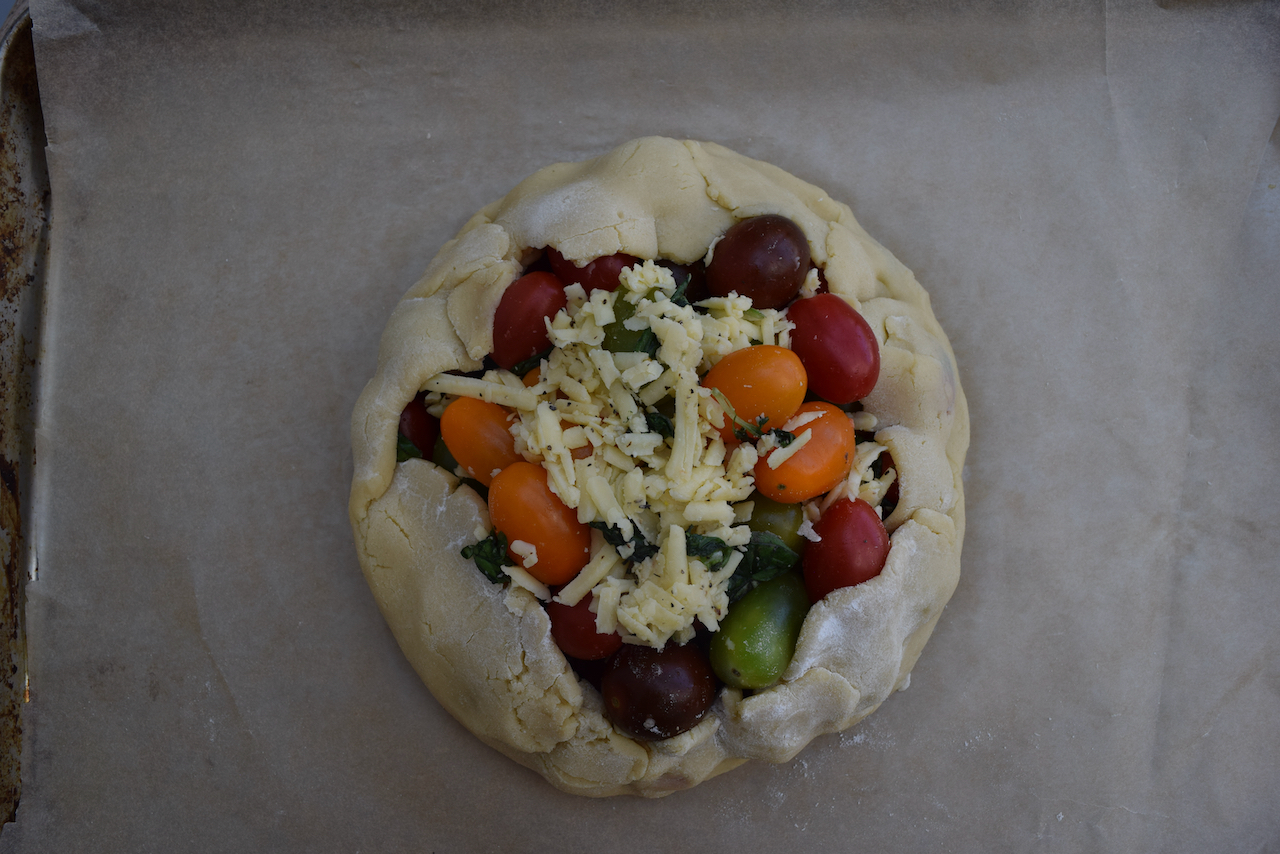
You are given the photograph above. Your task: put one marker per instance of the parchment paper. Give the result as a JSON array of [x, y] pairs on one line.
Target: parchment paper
[[241, 193]]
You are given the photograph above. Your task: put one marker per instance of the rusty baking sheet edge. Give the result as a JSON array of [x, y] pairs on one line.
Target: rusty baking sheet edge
[[24, 242]]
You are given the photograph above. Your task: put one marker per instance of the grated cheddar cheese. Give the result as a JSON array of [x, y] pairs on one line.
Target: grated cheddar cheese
[[589, 421]]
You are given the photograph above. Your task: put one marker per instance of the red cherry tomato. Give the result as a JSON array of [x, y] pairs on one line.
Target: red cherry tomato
[[419, 426], [763, 380], [598, 275], [818, 466], [852, 550], [519, 325], [651, 694], [765, 258], [522, 506], [574, 630], [478, 434], [837, 347]]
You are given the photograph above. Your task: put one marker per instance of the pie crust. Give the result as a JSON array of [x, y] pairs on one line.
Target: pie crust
[[485, 650]]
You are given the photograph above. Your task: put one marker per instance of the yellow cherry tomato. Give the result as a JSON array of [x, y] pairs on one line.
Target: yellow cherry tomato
[[764, 381], [818, 466], [478, 434], [522, 506]]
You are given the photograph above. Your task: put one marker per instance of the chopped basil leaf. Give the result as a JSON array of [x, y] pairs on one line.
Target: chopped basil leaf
[[678, 296], [745, 432], [765, 558], [753, 314], [660, 424], [522, 368], [784, 438], [640, 547], [648, 343], [405, 449], [490, 555], [713, 551], [612, 535]]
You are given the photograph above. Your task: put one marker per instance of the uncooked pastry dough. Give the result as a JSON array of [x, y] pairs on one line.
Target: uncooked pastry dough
[[485, 650]]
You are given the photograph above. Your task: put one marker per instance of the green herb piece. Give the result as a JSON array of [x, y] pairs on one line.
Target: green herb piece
[[490, 555], [619, 339], [660, 424], [783, 437], [648, 343], [522, 368], [712, 551], [745, 431], [754, 314], [406, 450], [641, 548], [678, 296], [764, 558]]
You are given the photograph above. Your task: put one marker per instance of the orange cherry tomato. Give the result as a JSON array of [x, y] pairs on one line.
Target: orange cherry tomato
[[763, 380], [478, 434], [522, 506], [817, 467]]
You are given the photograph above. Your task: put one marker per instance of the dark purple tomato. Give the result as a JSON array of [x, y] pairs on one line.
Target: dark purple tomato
[[519, 325], [823, 287], [765, 258], [837, 347], [651, 694], [574, 630], [598, 275], [890, 499], [852, 549], [419, 426]]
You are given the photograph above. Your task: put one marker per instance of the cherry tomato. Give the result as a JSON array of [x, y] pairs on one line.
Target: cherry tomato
[[765, 258], [819, 465], [852, 550], [519, 325], [781, 520], [574, 629], [419, 426], [837, 346], [478, 434], [598, 275], [522, 506], [758, 636], [651, 694], [761, 381]]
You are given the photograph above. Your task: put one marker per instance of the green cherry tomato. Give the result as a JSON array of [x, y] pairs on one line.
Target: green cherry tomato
[[758, 637], [773, 517]]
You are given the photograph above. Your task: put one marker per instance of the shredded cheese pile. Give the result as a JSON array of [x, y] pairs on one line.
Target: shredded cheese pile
[[590, 421]]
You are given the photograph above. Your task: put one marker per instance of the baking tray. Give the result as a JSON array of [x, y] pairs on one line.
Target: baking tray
[[24, 235], [240, 193]]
